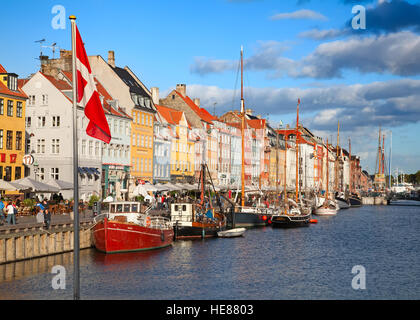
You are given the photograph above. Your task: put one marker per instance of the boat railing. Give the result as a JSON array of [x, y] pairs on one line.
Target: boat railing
[[100, 217]]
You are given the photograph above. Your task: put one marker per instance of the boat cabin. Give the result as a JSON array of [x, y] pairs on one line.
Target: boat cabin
[[124, 211], [182, 212]]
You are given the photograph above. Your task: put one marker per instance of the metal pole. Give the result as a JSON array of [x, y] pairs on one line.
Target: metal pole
[[76, 278]]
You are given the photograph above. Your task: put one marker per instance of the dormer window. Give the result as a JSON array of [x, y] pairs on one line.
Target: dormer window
[[12, 82]]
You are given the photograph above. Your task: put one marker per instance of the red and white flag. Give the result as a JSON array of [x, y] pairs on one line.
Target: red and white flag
[[88, 96]]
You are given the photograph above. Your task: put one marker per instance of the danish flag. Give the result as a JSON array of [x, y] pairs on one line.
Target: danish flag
[[88, 96]]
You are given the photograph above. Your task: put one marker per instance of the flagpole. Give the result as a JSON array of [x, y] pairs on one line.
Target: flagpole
[[76, 278]]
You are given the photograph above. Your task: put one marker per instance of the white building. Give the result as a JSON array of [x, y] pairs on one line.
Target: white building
[[49, 124]]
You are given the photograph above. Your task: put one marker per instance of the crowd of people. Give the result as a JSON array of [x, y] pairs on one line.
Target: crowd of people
[[9, 208]]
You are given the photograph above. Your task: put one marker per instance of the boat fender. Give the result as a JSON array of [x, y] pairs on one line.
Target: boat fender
[[148, 220]]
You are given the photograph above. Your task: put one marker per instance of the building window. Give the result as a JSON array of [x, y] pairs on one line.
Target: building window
[[83, 147], [41, 122], [45, 99], [56, 121], [41, 174], [18, 173], [40, 146], [1, 138], [28, 146], [1, 106], [142, 118], [55, 146], [32, 100], [19, 109], [10, 108], [55, 173], [1, 172], [28, 122], [91, 148], [18, 140], [121, 127], [96, 148], [9, 140], [7, 174]]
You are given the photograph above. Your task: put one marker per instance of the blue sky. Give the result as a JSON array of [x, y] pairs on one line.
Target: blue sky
[[292, 49]]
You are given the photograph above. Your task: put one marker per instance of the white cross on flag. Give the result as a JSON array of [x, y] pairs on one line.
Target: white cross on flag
[[88, 96]]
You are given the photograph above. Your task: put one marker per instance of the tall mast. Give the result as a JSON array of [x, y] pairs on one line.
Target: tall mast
[[390, 155], [337, 158], [242, 129], [284, 167], [351, 177], [297, 152], [277, 167], [328, 177]]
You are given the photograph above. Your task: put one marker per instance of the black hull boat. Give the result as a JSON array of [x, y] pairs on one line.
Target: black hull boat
[[250, 219], [355, 201], [342, 203], [290, 221], [182, 232]]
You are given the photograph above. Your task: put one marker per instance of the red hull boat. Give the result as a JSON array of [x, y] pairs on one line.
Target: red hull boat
[[130, 230]]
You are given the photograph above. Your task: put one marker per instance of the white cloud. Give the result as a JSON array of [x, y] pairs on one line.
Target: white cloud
[[299, 14]]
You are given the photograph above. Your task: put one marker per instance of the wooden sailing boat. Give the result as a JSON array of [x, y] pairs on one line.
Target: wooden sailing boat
[[199, 220], [246, 216], [292, 215], [354, 200], [329, 207], [340, 197]]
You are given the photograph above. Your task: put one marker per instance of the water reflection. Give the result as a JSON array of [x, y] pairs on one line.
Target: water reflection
[[266, 263]]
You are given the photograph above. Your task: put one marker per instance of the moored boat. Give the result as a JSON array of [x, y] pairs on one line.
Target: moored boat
[[124, 229], [231, 233]]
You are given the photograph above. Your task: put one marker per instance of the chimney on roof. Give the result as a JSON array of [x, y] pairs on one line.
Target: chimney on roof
[[197, 102], [248, 111], [182, 89], [155, 95], [111, 58]]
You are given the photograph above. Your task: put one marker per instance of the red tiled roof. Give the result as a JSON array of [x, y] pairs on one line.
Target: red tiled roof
[[2, 70], [171, 115], [201, 112], [102, 91], [256, 123]]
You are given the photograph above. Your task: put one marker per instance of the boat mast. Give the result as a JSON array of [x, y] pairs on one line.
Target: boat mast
[[242, 129], [297, 152], [390, 156], [277, 167], [328, 177], [337, 158], [350, 169], [284, 169]]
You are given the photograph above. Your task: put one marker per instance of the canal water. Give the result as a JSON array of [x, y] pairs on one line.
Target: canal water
[[265, 264]]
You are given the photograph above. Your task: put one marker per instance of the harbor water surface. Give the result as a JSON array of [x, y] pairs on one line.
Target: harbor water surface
[[265, 264]]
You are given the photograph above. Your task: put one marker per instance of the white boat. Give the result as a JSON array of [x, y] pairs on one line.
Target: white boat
[[326, 211], [237, 232]]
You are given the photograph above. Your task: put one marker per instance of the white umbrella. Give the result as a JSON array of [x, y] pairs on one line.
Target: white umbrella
[[172, 187], [8, 186], [36, 186], [149, 187], [161, 187], [62, 185]]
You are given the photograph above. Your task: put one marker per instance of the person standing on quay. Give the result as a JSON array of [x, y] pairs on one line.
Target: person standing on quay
[[11, 219], [47, 214], [2, 217]]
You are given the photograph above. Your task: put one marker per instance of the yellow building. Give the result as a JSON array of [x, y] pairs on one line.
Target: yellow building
[[142, 144], [182, 152], [12, 127]]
